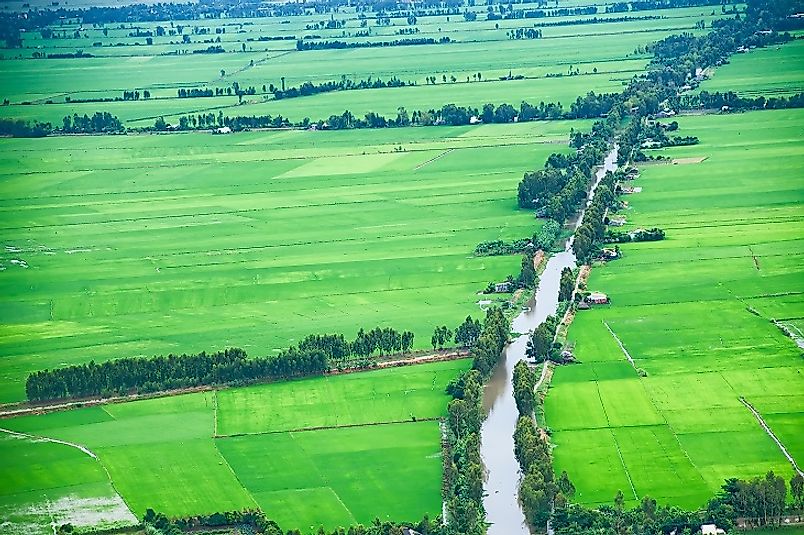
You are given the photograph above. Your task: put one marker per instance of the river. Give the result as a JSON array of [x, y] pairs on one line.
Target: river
[[503, 511]]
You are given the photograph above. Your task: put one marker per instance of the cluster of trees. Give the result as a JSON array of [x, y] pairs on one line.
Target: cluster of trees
[[214, 49], [558, 190], [463, 467], [566, 285], [760, 502], [546, 237], [652, 234], [512, 13], [540, 344], [70, 55], [344, 84], [323, 45], [524, 33], [20, 128], [135, 95], [99, 123], [501, 247], [315, 354], [524, 382], [255, 521], [595, 20], [590, 234]]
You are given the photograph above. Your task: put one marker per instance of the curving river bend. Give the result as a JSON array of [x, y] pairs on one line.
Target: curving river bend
[[503, 511]]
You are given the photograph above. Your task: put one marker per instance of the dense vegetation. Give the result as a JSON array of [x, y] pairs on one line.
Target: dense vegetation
[[256, 521], [315, 354], [463, 468], [99, 123]]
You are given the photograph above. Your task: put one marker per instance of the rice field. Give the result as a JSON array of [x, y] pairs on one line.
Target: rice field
[[769, 72], [567, 62], [332, 473], [121, 246], [694, 311]]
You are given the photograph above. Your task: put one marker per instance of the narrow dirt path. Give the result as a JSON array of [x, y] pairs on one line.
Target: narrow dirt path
[[39, 438], [771, 434]]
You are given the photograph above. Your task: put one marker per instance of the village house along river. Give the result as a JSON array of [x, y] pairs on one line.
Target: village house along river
[[503, 511]]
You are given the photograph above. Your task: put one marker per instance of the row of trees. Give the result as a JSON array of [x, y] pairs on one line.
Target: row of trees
[[449, 114], [344, 84], [98, 123], [733, 101], [463, 467], [589, 235], [324, 45], [315, 354], [256, 521]]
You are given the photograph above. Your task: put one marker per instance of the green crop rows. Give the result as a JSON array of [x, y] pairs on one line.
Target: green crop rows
[[694, 311], [165, 454]]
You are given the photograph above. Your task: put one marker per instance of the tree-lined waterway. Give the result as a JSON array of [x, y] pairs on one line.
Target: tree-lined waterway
[[503, 510]]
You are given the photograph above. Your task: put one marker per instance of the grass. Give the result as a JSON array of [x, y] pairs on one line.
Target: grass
[[694, 312], [162, 453], [142, 245]]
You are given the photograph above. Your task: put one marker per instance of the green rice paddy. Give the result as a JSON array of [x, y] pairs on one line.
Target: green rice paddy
[[694, 311], [166, 453], [143, 245]]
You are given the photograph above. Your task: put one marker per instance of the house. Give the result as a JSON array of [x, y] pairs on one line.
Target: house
[[711, 529], [597, 298], [609, 253], [583, 305], [222, 130], [502, 287], [474, 119], [617, 221]]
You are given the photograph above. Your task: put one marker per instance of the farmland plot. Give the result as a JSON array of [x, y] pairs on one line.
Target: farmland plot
[[694, 311]]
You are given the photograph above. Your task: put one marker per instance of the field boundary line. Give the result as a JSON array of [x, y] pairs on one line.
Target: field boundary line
[[325, 427], [83, 449], [434, 158], [234, 474], [770, 433], [616, 443], [620, 343], [622, 461], [40, 438]]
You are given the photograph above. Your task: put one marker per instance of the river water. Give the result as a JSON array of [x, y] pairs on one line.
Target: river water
[[503, 511]]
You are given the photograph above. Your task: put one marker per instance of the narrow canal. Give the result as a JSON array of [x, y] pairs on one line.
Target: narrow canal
[[503, 511]]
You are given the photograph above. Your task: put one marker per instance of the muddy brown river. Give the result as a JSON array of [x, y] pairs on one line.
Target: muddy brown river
[[503, 510]]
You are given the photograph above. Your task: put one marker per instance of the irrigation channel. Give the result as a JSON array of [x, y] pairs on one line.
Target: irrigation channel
[[501, 501]]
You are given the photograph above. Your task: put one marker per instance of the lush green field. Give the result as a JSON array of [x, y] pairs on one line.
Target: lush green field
[[604, 55], [140, 245], [769, 72], [352, 399], [163, 453], [694, 312]]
